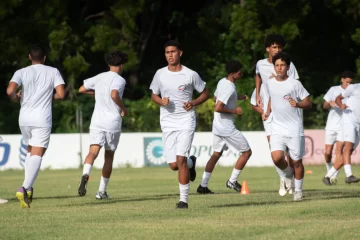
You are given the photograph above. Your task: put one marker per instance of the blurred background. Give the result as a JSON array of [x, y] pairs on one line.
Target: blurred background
[[323, 38]]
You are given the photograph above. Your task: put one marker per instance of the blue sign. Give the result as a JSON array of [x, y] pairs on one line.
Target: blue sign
[[154, 152], [5, 149]]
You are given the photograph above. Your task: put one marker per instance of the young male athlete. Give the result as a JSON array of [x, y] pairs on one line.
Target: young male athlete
[[274, 43], [286, 97], [105, 127], [351, 131], [172, 88], [37, 83], [334, 124], [225, 134]]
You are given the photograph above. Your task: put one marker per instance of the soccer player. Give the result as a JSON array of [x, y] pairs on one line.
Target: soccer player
[[287, 96], [274, 44], [172, 89], [225, 134], [334, 124], [351, 131], [35, 120], [105, 126]]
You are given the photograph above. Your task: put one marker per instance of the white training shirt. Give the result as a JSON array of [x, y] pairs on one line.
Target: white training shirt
[[38, 82], [106, 116], [352, 95], [266, 69], [179, 87], [286, 120], [223, 123], [334, 120]]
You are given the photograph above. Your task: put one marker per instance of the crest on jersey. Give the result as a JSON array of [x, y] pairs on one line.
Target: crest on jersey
[[287, 97], [182, 87]]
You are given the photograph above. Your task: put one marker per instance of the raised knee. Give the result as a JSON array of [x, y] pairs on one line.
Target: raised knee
[[173, 166]]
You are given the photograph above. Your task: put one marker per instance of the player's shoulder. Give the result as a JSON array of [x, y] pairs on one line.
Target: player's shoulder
[[119, 78], [262, 61], [189, 71], [161, 70]]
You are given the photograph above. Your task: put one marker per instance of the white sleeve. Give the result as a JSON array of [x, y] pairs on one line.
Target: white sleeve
[[224, 94], [329, 95], [155, 84], [300, 91], [58, 79], [17, 78], [253, 98], [292, 72], [257, 70], [89, 83], [348, 91], [198, 83], [119, 85]]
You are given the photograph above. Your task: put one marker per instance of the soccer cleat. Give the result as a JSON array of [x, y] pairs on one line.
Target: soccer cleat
[[236, 186], [82, 185], [288, 183], [298, 196], [102, 195], [327, 181], [30, 193], [352, 179], [333, 180], [282, 190], [22, 196], [204, 190], [181, 204], [192, 170]]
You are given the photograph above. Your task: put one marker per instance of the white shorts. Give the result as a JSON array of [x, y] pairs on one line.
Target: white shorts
[[108, 140], [296, 145], [236, 143], [351, 132], [177, 143], [332, 136], [36, 136], [267, 127]]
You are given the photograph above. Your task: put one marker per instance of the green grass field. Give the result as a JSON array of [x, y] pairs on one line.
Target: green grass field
[[143, 207]]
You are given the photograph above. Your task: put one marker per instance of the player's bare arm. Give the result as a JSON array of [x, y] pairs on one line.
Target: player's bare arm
[[338, 102], [160, 101], [257, 109], [117, 100], [83, 90], [243, 97], [258, 82], [59, 92], [266, 114], [220, 107], [204, 95], [11, 92], [304, 104], [330, 104]]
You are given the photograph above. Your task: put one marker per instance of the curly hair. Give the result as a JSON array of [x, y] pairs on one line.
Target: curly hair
[[116, 58], [233, 66], [274, 39], [283, 56], [348, 74]]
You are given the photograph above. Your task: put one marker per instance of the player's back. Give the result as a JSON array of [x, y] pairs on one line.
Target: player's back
[[38, 82]]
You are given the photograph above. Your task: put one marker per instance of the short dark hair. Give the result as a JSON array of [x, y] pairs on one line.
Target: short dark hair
[[116, 58], [275, 39], [37, 53], [348, 74], [283, 56], [233, 66], [173, 43]]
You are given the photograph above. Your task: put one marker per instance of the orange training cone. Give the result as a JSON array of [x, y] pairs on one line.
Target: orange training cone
[[244, 188]]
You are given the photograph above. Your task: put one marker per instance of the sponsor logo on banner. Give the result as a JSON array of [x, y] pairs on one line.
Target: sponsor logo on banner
[[154, 152], [4, 153], [22, 152]]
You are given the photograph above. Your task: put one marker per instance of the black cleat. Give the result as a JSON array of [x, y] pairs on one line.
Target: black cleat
[[327, 181], [192, 170], [82, 186], [204, 190], [236, 186], [352, 179], [181, 204]]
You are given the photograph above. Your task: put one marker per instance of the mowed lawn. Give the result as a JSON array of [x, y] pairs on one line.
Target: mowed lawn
[[143, 207]]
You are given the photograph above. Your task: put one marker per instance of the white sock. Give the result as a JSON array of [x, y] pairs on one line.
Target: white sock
[[87, 169], [348, 171], [234, 175], [32, 171], [205, 179], [336, 174], [184, 192], [331, 172], [27, 160], [288, 172], [103, 184], [298, 185], [280, 172], [189, 163], [328, 166]]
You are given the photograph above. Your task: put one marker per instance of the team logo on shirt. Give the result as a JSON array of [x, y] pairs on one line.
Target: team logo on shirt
[[182, 87], [154, 152], [287, 97]]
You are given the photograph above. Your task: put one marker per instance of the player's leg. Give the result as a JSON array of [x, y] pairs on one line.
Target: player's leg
[[330, 139], [237, 143], [97, 140], [338, 158], [296, 146], [348, 150], [218, 146]]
